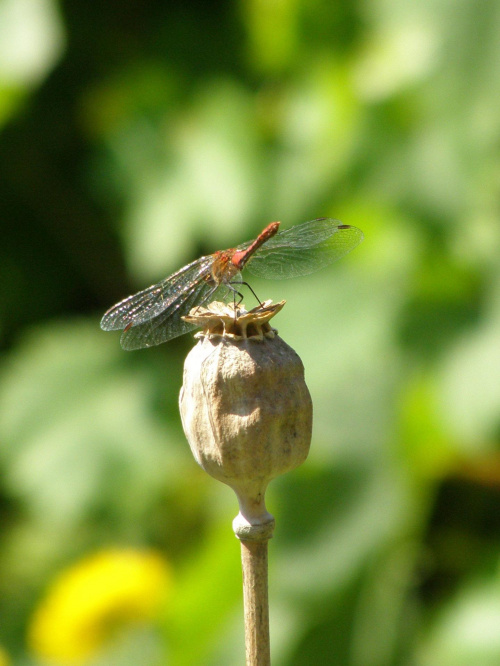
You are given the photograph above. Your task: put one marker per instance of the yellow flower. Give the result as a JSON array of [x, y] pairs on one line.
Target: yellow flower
[[4, 659], [91, 601]]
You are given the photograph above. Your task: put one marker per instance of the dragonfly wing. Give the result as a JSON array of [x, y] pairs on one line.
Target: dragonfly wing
[[169, 324], [149, 303], [304, 249]]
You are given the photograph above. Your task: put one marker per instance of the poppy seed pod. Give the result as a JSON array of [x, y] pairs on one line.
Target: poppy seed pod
[[245, 407]]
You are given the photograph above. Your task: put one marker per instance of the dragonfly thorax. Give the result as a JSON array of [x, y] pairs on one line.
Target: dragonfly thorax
[[223, 269]]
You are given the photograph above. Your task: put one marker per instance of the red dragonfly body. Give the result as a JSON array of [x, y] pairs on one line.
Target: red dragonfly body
[[228, 263], [154, 315]]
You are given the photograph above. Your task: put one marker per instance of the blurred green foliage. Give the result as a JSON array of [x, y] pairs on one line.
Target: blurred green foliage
[[137, 136]]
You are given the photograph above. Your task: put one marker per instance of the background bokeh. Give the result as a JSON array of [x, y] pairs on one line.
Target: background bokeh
[[136, 136]]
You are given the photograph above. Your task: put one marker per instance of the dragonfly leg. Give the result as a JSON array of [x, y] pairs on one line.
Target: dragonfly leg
[[235, 293], [240, 295], [207, 297]]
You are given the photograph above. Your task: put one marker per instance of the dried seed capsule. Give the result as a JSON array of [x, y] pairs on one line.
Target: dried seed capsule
[[245, 406]]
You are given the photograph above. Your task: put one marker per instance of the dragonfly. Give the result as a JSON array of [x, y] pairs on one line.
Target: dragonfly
[[155, 315]]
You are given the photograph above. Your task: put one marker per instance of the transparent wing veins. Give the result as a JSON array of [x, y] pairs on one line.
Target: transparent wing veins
[[169, 324], [149, 303], [304, 249]]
